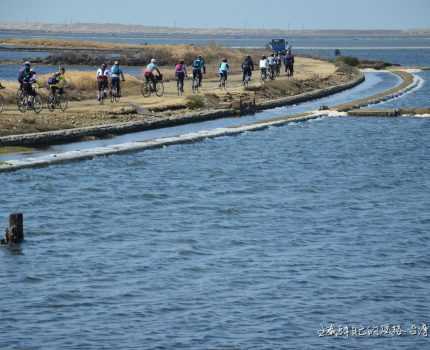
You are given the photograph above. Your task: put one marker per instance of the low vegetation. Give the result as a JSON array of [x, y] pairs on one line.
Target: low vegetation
[[195, 102], [355, 62], [74, 52]]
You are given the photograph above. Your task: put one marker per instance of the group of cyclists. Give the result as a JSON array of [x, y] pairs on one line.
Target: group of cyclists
[[270, 66], [103, 75], [27, 96], [109, 79]]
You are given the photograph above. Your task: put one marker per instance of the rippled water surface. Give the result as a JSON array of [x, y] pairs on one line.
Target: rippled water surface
[[247, 242], [417, 98]]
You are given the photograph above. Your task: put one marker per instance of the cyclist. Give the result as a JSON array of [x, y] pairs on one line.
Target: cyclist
[[289, 64], [26, 78], [199, 68], [272, 65], [181, 74], [57, 81], [102, 81], [116, 73], [247, 68], [223, 70], [278, 62], [149, 73], [264, 65]]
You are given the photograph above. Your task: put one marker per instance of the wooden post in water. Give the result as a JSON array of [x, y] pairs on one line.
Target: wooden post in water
[[15, 231]]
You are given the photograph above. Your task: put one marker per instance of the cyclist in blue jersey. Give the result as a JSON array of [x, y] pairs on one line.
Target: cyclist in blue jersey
[[116, 73], [223, 70], [199, 68]]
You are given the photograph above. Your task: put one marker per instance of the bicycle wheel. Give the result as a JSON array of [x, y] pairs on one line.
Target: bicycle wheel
[[51, 103], [37, 103], [19, 97], [1, 103], [63, 102], [272, 74], [22, 103], [159, 89], [101, 97], [178, 87], [223, 82], [145, 90], [195, 85], [245, 82]]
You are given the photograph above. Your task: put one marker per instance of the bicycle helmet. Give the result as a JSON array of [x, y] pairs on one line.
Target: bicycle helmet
[[116, 63], [153, 60], [27, 63]]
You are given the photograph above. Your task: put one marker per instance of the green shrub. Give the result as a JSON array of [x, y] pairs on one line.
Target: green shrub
[[350, 61]]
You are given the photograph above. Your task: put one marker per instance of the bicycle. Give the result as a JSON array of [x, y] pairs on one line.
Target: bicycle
[[246, 80], [278, 70], [180, 86], [115, 94], [102, 92], [19, 94], [263, 74], [195, 84], [148, 88], [271, 73], [1, 100], [57, 100], [26, 102], [1, 103], [222, 81]]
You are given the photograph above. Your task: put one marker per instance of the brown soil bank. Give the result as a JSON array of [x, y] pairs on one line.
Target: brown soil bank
[[312, 76]]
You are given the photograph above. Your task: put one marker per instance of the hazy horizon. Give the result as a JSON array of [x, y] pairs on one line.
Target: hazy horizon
[[300, 15], [35, 23]]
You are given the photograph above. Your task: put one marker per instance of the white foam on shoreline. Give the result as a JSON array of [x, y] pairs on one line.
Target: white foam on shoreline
[[135, 146], [416, 84]]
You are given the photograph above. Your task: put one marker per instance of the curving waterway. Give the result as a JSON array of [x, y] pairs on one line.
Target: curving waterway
[[257, 241]]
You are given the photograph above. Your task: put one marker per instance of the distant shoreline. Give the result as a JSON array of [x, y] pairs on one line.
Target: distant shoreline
[[121, 29]]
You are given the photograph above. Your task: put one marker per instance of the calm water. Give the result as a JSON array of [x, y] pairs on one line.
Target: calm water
[[247, 242], [404, 56], [263, 239], [233, 41]]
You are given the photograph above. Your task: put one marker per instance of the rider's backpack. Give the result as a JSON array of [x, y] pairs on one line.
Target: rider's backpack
[[116, 70], [197, 64], [52, 80]]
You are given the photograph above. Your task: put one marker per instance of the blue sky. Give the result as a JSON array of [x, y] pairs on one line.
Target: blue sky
[[298, 14]]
